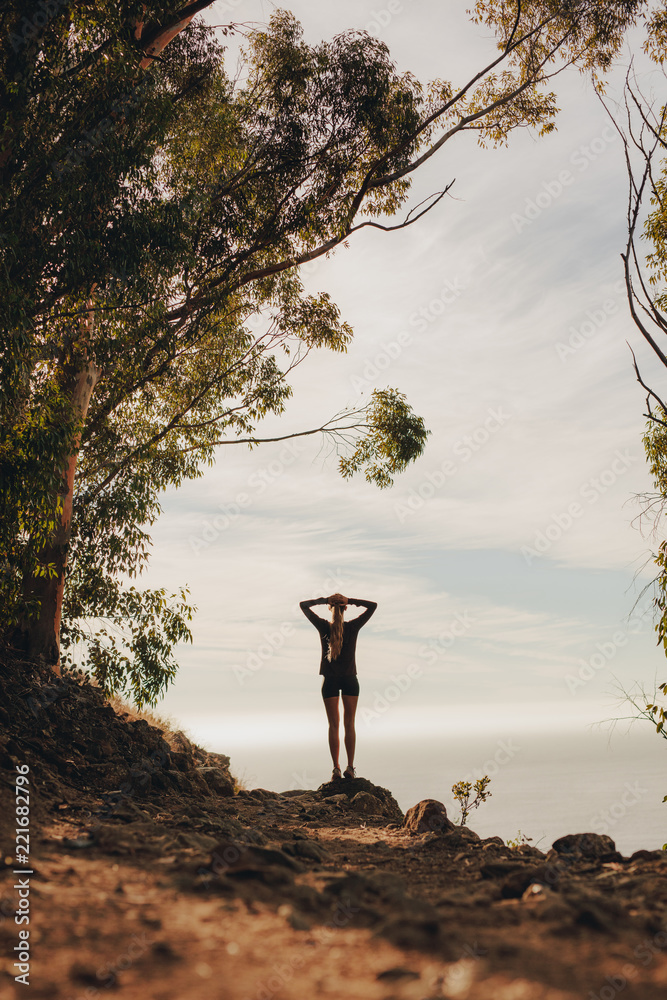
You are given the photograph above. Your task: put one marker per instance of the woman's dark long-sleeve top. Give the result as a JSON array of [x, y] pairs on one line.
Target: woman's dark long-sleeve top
[[344, 665]]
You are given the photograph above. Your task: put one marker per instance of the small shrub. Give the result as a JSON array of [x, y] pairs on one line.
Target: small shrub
[[462, 790]]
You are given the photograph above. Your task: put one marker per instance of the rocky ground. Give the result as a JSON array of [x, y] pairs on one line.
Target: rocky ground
[[152, 876]]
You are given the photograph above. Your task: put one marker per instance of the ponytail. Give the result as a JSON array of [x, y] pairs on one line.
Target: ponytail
[[336, 640]]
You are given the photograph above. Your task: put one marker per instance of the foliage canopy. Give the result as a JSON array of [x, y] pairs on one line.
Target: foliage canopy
[[154, 212]]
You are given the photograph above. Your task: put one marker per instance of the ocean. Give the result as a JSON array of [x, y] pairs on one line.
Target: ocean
[[542, 785]]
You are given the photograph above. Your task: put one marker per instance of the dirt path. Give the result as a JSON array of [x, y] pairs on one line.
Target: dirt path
[[383, 914], [151, 879]]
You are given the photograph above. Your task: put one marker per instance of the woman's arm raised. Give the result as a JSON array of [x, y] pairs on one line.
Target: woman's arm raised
[[310, 615], [370, 609]]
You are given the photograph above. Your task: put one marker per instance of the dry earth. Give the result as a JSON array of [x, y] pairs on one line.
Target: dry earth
[[152, 879]]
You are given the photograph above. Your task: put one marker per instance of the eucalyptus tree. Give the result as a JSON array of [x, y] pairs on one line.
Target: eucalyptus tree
[[154, 213]]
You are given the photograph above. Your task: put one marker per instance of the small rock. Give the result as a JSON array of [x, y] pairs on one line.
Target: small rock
[[164, 951], [7, 761], [182, 761], [85, 974], [419, 934], [594, 911], [216, 779], [516, 884], [220, 760], [78, 842], [501, 869], [268, 876], [303, 848], [459, 837], [536, 893], [227, 856], [196, 841], [529, 851], [181, 743], [297, 922], [396, 973], [585, 845], [428, 816], [263, 793], [643, 855], [367, 804]]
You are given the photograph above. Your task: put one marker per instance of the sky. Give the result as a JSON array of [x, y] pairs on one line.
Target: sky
[[507, 562]]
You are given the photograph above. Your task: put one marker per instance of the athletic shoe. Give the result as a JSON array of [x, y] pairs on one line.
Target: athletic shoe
[[349, 772], [336, 774]]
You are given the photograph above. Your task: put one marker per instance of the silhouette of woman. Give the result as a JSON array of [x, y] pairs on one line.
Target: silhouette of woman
[[338, 666]]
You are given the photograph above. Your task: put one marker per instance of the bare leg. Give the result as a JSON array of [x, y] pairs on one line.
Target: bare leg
[[331, 705], [349, 712]]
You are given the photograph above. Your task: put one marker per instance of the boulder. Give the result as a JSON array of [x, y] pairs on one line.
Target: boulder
[[351, 786], [428, 816]]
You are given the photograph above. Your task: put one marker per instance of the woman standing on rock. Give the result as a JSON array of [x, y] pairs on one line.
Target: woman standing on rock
[[338, 666]]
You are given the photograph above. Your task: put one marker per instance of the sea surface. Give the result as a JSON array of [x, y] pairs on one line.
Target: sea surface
[[542, 786]]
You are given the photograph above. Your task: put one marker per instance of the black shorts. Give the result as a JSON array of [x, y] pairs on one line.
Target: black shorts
[[346, 685]]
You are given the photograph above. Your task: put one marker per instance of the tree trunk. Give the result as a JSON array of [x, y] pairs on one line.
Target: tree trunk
[[41, 635]]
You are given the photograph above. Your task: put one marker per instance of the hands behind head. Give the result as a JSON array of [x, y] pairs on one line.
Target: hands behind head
[[337, 599]]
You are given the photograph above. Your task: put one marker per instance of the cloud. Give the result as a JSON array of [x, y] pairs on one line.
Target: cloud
[[477, 304]]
